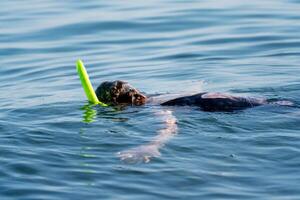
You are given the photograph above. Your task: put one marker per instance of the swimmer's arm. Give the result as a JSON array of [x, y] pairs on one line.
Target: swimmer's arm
[[168, 132], [145, 152]]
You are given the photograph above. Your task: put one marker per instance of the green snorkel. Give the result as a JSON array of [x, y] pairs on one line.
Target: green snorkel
[[86, 84]]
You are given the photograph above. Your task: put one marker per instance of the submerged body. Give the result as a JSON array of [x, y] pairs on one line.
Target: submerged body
[[122, 93]]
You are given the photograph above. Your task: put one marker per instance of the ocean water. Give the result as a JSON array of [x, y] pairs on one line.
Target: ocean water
[[54, 145]]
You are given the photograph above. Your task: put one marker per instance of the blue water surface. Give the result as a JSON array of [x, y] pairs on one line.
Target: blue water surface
[[54, 145]]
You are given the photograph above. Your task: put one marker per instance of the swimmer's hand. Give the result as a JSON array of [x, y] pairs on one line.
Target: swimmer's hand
[[139, 154]]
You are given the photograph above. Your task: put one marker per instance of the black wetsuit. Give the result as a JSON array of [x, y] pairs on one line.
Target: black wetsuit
[[215, 104]]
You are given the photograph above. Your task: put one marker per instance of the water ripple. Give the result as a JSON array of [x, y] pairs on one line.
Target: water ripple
[[54, 145]]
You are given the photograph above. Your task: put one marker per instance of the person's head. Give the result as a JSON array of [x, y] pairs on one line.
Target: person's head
[[119, 92]]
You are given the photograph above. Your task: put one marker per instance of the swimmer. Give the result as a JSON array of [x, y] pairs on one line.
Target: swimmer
[[118, 93], [121, 93]]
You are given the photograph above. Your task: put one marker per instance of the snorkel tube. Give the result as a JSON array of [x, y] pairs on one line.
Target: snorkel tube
[[86, 84]]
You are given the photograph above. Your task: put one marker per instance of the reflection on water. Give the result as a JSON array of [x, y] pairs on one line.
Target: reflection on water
[[89, 113]]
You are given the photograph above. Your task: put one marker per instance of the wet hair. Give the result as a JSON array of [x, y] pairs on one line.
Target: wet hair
[[119, 92]]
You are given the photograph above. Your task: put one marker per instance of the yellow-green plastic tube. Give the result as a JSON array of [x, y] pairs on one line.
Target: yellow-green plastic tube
[[86, 84]]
